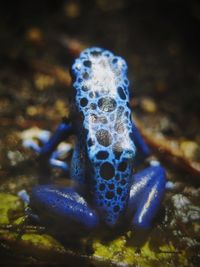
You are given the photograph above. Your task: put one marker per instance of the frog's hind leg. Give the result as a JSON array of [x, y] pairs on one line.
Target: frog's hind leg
[[146, 194], [62, 204]]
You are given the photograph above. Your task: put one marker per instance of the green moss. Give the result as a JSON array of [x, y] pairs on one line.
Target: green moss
[[44, 242], [168, 251], [10, 208], [117, 252], [19, 221], [12, 214], [36, 245]]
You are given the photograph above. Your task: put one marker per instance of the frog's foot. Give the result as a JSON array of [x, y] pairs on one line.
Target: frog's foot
[[28, 214], [61, 152], [25, 197], [169, 185], [63, 204], [51, 150], [31, 136], [146, 194]]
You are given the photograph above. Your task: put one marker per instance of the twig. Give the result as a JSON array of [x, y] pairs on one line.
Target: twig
[[62, 75], [161, 146]]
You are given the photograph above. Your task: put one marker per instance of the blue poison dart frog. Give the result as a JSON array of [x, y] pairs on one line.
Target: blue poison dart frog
[[108, 147]]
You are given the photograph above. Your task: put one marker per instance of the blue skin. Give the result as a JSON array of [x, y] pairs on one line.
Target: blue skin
[[108, 147]]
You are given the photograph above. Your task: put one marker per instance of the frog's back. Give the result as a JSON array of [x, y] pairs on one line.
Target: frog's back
[[102, 97]]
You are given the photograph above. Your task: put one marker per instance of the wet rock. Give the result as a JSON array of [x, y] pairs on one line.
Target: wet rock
[[15, 157], [185, 211]]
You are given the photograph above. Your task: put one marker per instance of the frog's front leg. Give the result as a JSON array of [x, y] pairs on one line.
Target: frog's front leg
[[146, 194], [48, 154], [62, 205], [141, 147], [62, 132]]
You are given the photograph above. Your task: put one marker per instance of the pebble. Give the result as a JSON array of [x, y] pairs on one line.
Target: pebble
[[184, 210], [190, 150], [148, 105]]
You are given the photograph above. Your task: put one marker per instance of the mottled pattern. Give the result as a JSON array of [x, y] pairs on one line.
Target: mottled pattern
[[102, 98]]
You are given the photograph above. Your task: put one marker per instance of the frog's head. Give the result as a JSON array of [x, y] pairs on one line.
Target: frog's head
[[99, 72], [102, 97]]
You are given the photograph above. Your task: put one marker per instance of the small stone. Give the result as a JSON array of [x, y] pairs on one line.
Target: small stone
[[190, 150], [185, 211], [61, 107], [33, 110], [43, 81], [15, 157], [148, 105]]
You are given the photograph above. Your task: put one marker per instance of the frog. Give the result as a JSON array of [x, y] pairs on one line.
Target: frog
[[106, 190]]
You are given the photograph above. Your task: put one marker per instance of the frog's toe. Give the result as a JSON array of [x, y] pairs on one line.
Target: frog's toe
[[56, 161], [59, 164], [33, 136], [31, 144], [44, 136], [24, 196]]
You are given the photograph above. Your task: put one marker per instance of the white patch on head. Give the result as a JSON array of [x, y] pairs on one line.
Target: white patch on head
[[103, 78]]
